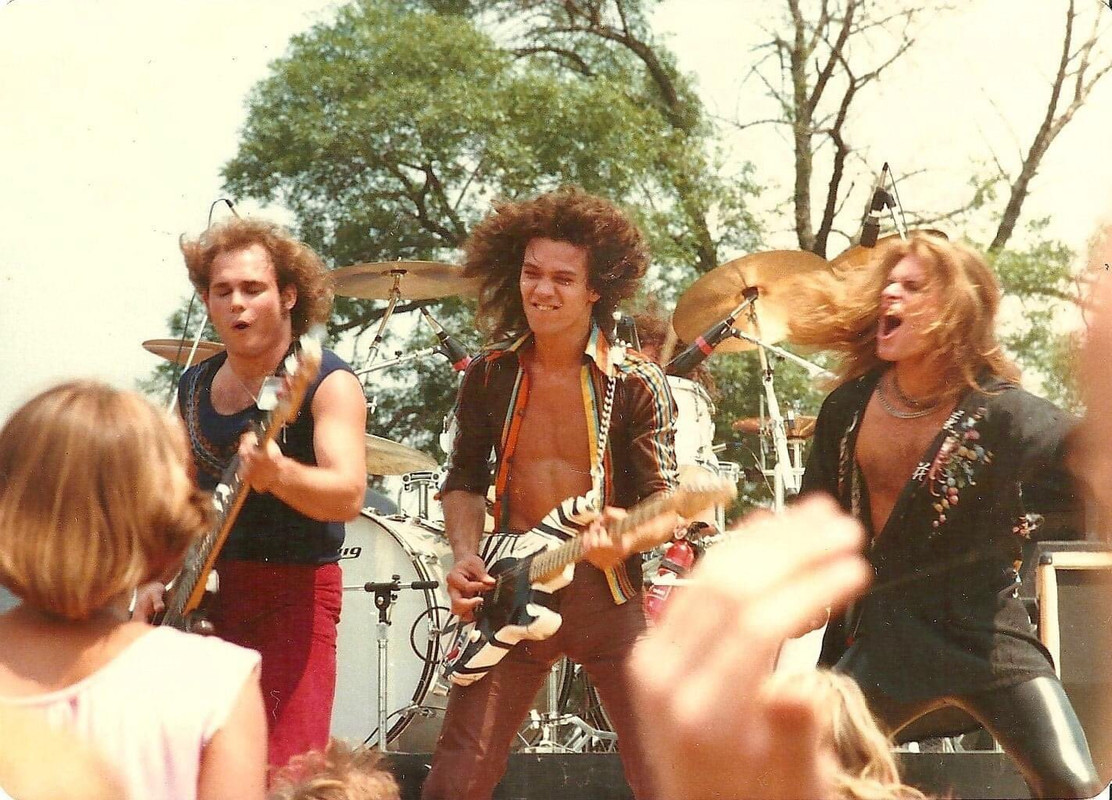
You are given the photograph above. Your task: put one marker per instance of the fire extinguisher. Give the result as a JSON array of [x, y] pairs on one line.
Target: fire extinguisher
[[676, 562]]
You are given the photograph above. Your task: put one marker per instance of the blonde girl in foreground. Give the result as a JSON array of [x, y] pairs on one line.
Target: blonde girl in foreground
[[95, 500]]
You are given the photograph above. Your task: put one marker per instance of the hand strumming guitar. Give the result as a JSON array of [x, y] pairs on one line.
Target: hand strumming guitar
[[466, 580]]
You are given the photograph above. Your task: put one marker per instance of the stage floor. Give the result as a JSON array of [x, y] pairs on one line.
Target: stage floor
[[598, 776]]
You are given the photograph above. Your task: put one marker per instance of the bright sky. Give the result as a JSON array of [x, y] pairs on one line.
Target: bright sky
[[118, 114]]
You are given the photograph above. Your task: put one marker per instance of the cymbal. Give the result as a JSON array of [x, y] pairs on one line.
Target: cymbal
[[802, 428], [420, 280], [717, 293], [858, 257], [386, 457], [177, 351]]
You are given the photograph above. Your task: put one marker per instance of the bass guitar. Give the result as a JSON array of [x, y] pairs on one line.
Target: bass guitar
[[185, 593], [528, 569]]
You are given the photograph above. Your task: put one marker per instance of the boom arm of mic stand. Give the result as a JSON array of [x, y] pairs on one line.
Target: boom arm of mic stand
[[426, 351], [815, 370]]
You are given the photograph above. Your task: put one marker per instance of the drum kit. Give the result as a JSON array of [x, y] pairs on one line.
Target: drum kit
[[394, 564]]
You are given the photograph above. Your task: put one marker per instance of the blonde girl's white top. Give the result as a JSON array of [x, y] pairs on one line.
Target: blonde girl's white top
[[153, 708]]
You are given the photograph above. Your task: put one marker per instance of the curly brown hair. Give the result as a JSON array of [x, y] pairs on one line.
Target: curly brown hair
[[294, 264], [617, 256]]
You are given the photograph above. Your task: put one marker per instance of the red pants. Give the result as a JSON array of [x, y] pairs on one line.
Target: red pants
[[482, 719], [289, 613]]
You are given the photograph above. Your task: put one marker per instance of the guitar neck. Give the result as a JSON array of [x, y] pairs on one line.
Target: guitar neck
[[227, 499], [571, 552]]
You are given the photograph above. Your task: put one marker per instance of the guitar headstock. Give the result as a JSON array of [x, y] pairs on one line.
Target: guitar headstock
[[699, 489]]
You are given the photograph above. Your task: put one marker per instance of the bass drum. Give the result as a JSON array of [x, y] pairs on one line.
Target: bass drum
[[375, 549]]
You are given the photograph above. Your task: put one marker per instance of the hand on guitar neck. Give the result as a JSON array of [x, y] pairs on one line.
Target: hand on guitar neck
[[605, 547]]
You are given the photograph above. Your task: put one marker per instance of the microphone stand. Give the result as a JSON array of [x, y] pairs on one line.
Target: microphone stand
[[386, 594], [416, 354], [815, 370]]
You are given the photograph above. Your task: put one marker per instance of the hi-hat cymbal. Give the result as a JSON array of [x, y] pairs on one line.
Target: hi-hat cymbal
[[800, 428], [386, 457], [177, 351], [717, 293], [859, 257], [419, 280]]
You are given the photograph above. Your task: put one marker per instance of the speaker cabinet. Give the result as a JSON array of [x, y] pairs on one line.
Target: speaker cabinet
[[1073, 584]]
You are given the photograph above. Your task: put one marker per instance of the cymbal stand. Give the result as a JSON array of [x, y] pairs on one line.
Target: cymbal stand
[[549, 721], [784, 480], [192, 354], [395, 296], [386, 594]]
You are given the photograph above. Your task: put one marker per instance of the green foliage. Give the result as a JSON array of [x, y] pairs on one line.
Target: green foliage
[[1040, 295]]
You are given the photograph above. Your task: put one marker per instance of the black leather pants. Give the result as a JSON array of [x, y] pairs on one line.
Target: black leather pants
[[1034, 723]]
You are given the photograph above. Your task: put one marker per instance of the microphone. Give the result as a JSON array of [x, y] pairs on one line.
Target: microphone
[[449, 347], [704, 345], [231, 207], [870, 230]]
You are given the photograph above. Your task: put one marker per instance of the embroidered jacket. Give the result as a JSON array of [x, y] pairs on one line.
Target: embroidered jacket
[[943, 616]]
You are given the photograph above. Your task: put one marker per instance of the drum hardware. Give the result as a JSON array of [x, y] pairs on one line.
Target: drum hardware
[[414, 280], [583, 734], [400, 359], [386, 594], [395, 295], [425, 483]]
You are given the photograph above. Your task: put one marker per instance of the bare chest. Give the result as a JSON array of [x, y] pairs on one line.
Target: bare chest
[[227, 395], [888, 451], [552, 459]]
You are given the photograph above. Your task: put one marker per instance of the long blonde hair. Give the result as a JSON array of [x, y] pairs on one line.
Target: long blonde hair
[[866, 768], [339, 772], [841, 312], [95, 498]]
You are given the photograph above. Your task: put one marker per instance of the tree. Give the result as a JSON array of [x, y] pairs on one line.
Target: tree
[[815, 64], [388, 131]]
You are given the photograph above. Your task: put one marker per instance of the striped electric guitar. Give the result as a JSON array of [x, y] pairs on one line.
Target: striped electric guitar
[[528, 568], [185, 594]]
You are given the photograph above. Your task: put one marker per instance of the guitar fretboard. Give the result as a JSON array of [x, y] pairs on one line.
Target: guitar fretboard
[[552, 561]]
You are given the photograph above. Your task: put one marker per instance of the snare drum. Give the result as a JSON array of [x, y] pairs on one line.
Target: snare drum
[[694, 422]]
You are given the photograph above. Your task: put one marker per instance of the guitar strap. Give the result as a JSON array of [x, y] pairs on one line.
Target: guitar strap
[[598, 469]]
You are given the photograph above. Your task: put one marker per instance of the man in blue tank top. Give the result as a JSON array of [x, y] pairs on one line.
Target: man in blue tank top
[[280, 583]]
